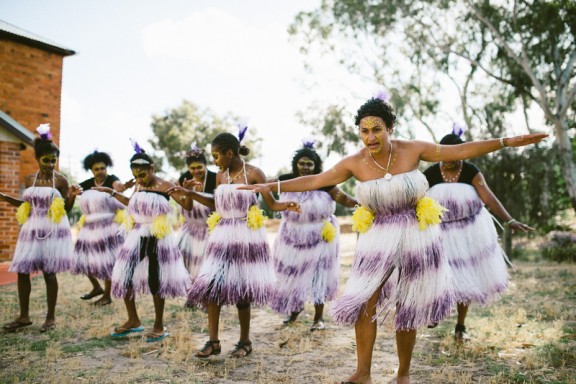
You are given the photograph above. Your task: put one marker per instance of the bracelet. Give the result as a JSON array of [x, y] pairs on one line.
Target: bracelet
[[278, 187], [502, 144], [113, 193], [510, 221]]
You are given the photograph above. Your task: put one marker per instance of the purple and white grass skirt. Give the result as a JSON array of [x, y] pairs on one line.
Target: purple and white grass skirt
[[42, 244], [306, 265], [99, 240], [470, 242], [398, 259]]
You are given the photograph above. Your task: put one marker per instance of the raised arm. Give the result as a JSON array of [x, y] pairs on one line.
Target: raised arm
[[436, 152], [492, 202]]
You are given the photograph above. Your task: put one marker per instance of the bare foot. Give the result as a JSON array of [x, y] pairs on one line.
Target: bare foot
[[358, 378], [102, 301], [403, 380], [48, 325]]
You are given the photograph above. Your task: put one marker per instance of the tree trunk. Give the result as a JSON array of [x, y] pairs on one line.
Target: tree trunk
[[566, 158]]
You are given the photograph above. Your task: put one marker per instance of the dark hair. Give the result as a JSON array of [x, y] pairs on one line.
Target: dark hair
[[225, 141], [451, 139], [195, 156], [378, 108], [306, 152], [96, 157], [141, 156], [44, 146]]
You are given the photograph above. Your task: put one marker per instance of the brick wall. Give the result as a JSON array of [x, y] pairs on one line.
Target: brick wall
[[30, 92], [9, 184]]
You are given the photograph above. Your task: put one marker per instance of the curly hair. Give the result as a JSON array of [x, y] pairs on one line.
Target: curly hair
[[45, 146], [96, 157], [310, 153], [378, 108], [451, 139], [225, 141], [195, 157]]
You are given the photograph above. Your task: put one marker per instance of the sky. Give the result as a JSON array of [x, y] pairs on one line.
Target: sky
[[139, 58]]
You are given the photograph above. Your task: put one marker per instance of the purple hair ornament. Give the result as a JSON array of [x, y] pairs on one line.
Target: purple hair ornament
[[382, 95], [136, 146], [242, 128], [308, 143], [44, 131], [458, 129]]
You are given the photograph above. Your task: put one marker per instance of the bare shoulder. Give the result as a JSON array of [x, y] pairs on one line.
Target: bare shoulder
[[29, 180], [60, 179], [255, 174]]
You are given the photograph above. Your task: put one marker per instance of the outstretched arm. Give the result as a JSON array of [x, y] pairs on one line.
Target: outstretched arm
[[492, 202], [118, 196], [257, 176], [435, 152], [335, 175], [11, 200], [121, 187], [179, 192]]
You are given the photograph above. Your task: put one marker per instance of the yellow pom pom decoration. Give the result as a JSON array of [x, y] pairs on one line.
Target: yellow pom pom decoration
[[120, 216], [362, 219], [23, 212], [255, 217], [128, 222], [429, 212], [81, 221], [56, 211], [160, 227], [213, 221], [328, 231]]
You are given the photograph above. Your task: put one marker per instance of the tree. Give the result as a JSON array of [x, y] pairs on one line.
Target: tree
[[521, 52], [177, 129]]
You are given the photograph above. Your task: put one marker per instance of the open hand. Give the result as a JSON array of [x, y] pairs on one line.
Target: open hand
[[256, 188], [292, 206], [177, 189], [74, 190], [129, 184], [520, 141], [518, 226], [191, 184]]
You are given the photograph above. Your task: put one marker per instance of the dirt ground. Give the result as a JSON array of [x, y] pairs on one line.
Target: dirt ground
[[529, 336]]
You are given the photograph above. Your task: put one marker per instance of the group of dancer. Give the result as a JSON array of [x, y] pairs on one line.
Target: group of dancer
[[404, 261]]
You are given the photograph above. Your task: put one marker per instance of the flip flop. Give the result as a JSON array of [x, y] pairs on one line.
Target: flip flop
[[127, 331], [47, 327], [14, 325], [152, 337]]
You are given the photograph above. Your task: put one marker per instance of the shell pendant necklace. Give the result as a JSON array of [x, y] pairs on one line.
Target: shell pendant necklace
[[388, 175]]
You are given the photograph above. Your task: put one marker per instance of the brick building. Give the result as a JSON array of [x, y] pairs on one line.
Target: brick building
[[30, 95]]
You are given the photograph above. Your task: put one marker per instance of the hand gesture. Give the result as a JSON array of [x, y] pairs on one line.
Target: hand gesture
[[518, 226], [292, 206], [191, 184], [74, 190], [520, 141], [177, 189], [129, 184]]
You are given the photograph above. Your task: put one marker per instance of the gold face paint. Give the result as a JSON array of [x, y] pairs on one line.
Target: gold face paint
[[372, 131], [48, 159], [99, 171], [197, 169], [305, 166]]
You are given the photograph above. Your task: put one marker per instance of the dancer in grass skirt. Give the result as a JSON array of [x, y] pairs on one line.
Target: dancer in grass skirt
[[149, 261], [192, 236], [399, 236], [237, 269], [469, 237], [99, 238], [306, 252], [45, 241]]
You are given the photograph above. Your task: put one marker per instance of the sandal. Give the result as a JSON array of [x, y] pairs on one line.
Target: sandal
[[47, 327], [102, 301], [318, 326], [460, 335], [14, 325], [241, 349], [213, 345], [291, 318], [92, 294]]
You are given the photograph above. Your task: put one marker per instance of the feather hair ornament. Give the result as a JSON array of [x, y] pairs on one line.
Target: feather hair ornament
[[308, 143], [458, 129], [382, 95], [44, 131], [136, 146], [242, 128], [194, 151]]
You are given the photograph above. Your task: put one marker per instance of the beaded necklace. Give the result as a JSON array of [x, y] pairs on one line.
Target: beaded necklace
[[387, 176], [453, 178], [242, 171]]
